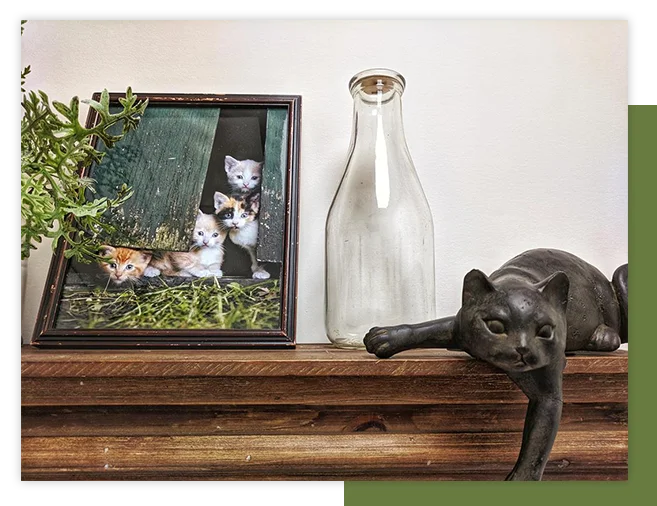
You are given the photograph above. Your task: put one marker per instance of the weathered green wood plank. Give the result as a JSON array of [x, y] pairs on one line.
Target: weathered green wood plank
[[272, 214], [165, 162]]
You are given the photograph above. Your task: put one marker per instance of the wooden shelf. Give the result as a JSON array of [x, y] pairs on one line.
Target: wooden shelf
[[314, 412]]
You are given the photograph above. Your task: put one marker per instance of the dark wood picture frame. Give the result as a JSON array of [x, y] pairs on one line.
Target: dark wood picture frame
[[47, 335]]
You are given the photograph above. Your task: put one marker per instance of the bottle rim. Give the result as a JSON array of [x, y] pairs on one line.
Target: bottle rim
[[382, 77]]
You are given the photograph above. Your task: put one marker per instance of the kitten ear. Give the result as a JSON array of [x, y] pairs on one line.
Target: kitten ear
[[219, 200], [475, 285], [146, 256], [230, 163], [555, 288], [106, 250], [199, 214]]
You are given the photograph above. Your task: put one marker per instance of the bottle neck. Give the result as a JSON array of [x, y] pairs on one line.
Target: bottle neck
[[378, 146], [378, 123]]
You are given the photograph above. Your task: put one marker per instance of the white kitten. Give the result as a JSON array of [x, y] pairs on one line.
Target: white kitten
[[244, 176], [204, 258]]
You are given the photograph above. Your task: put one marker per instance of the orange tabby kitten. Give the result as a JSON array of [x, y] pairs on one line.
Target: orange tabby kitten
[[204, 258], [124, 264]]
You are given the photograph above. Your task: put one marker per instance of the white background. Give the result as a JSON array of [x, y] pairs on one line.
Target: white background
[[518, 129]]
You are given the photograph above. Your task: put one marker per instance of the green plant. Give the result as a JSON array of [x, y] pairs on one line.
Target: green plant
[[55, 146]]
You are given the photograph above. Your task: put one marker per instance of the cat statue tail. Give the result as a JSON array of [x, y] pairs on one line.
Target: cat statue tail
[[619, 282]]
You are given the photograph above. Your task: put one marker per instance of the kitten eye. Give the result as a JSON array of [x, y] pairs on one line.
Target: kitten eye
[[244, 215], [112, 265], [240, 176], [255, 178], [545, 332], [495, 326], [228, 215], [216, 234], [200, 232], [129, 267]]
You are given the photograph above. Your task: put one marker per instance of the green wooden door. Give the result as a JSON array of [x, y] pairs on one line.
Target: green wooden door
[[165, 162], [272, 209]]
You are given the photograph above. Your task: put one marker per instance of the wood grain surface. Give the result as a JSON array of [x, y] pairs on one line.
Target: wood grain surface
[[310, 413]]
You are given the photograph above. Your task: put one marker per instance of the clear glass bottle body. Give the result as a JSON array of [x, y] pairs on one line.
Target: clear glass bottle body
[[379, 230]]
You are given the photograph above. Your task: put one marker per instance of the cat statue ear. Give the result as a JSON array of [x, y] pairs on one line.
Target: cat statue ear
[[230, 163], [555, 289], [219, 200], [475, 285]]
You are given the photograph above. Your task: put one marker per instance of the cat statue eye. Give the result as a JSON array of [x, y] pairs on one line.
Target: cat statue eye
[[495, 326]]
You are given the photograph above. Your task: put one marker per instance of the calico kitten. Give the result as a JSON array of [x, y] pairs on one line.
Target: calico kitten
[[244, 176], [204, 258], [239, 216], [124, 264]]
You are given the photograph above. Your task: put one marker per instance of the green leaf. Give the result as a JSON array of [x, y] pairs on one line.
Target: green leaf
[[53, 194], [74, 107], [94, 105], [62, 109], [104, 100]]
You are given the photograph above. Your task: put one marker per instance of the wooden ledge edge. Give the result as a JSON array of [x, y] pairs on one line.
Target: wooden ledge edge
[[305, 360]]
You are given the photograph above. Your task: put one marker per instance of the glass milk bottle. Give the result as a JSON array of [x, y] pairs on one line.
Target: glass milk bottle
[[379, 230]]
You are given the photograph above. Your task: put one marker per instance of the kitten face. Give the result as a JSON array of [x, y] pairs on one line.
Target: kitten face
[[124, 264], [235, 213], [516, 328], [244, 176], [207, 231]]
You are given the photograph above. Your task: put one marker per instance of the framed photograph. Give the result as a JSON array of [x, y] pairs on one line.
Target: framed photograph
[[204, 252]]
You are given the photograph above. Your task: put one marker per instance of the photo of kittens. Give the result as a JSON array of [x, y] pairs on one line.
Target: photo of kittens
[[124, 264], [203, 242], [244, 176], [238, 216], [205, 257]]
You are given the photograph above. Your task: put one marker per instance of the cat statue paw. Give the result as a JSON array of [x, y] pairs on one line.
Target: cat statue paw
[[521, 319]]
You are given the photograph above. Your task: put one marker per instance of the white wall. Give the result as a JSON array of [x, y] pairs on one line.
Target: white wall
[[518, 129]]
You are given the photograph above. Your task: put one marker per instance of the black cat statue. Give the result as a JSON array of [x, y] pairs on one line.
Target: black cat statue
[[522, 319]]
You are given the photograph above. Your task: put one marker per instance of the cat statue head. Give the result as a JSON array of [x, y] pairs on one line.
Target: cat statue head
[[244, 176], [515, 326]]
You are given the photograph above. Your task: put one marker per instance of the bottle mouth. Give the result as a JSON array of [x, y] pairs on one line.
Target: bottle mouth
[[376, 81]]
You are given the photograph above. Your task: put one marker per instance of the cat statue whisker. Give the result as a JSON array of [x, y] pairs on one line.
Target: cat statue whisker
[[523, 319]]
